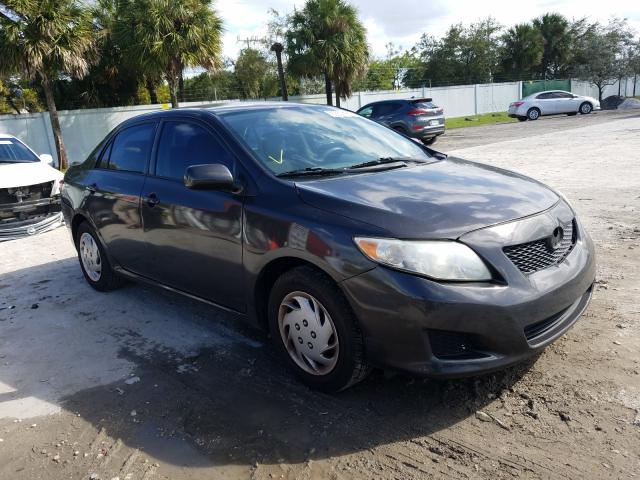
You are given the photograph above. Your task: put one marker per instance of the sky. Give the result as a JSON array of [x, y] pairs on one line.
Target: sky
[[403, 21]]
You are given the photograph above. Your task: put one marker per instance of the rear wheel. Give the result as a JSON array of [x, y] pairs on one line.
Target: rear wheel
[[312, 325], [533, 114], [522, 119], [93, 260], [586, 108], [429, 141]]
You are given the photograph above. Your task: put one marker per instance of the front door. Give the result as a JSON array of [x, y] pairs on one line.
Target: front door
[[194, 237]]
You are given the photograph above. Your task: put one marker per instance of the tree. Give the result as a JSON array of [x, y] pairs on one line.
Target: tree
[[44, 40], [599, 53], [465, 54], [165, 36], [634, 63], [252, 71], [557, 41], [327, 38], [522, 51]]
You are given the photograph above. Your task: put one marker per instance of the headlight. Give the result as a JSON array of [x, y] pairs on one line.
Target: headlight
[[440, 260]]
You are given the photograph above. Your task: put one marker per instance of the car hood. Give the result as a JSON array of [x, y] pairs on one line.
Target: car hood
[[443, 199], [22, 174]]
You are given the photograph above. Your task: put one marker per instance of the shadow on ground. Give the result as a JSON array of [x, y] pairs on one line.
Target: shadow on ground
[[228, 402]]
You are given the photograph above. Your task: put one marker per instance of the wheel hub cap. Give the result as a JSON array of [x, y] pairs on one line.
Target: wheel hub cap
[[90, 257], [308, 333]]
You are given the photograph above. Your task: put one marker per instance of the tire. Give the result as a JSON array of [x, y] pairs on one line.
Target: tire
[[586, 108], [533, 114], [429, 141], [522, 119], [400, 130], [92, 258], [343, 364]]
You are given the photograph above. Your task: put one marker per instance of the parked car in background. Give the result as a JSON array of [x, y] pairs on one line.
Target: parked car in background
[[416, 118], [553, 102], [29, 190], [353, 245]]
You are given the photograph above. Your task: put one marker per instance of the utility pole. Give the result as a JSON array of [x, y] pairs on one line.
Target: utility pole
[[277, 48]]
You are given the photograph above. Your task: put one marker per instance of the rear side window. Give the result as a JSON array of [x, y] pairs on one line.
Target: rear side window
[[545, 96], [384, 109], [183, 144], [130, 150], [425, 105]]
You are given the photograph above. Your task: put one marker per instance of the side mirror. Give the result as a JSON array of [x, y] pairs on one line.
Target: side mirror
[[211, 176], [46, 158]]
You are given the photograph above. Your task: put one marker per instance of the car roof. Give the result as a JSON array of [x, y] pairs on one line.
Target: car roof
[[6, 135], [214, 110], [396, 100]]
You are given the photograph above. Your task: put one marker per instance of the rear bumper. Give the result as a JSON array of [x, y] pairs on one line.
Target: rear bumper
[[428, 132]]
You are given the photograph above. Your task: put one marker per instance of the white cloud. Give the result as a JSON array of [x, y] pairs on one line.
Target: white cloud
[[403, 21]]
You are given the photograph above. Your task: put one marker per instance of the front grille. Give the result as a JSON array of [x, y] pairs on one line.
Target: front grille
[[540, 254], [27, 192]]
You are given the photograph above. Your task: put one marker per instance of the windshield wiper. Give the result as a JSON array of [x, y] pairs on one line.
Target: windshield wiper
[[311, 171], [385, 160]]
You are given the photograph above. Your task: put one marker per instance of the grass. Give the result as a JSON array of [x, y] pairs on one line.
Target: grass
[[477, 120]]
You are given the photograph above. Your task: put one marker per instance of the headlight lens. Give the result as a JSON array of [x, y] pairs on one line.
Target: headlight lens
[[440, 260]]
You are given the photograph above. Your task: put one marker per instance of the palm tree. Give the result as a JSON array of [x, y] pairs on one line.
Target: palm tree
[[327, 38], [165, 36], [43, 40], [522, 50], [556, 37]]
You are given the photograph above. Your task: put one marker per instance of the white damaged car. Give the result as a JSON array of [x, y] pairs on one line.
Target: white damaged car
[[29, 191]]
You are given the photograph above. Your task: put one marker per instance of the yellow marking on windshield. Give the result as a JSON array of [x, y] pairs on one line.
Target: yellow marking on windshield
[[279, 162]]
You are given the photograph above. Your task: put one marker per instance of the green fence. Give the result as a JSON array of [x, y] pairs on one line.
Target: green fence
[[530, 87]]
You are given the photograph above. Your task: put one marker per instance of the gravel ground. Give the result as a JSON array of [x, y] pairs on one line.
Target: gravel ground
[[142, 384]]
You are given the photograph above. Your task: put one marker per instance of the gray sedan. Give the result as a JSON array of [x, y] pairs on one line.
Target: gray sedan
[[552, 103]]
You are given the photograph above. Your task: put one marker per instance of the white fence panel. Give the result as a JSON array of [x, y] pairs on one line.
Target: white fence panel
[[83, 129]]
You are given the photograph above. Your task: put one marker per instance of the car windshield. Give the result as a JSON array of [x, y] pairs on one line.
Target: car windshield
[[288, 139], [12, 151]]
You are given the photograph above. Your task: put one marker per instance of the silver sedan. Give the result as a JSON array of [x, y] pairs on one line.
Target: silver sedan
[[552, 103]]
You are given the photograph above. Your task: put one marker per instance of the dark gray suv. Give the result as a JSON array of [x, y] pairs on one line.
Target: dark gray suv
[[416, 118]]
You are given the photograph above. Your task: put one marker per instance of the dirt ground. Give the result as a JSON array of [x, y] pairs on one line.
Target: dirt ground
[[142, 384]]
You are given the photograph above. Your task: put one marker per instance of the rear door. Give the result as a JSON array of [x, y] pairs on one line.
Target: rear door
[[547, 103], [113, 193], [193, 237]]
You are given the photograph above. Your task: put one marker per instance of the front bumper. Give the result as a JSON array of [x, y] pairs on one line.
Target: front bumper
[[28, 218], [459, 329]]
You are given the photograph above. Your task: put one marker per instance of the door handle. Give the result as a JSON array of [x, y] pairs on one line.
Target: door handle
[[91, 188], [152, 200]]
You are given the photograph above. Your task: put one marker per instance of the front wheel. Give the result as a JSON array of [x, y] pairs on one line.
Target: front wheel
[[586, 108], [93, 260], [312, 325]]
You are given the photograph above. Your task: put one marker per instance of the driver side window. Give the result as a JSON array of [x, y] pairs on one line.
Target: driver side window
[[183, 144]]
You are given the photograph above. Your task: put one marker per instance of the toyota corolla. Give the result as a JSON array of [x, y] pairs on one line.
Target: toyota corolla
[[351, 244]]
